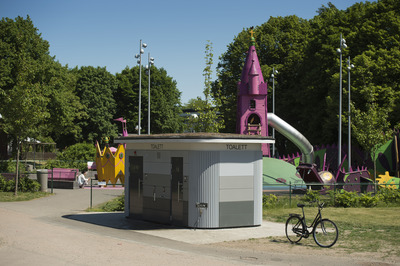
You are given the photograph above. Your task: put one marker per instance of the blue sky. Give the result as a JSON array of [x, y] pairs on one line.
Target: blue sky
[[108, 33]]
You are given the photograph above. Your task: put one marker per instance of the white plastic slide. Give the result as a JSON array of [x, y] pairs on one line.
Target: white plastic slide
[[293, 135]]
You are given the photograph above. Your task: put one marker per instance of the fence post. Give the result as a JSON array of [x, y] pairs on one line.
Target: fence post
[[91, 196], [52, 176], [290, 194], [334, 193]]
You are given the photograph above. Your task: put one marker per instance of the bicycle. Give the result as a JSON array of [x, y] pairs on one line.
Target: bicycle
[[324, 231]]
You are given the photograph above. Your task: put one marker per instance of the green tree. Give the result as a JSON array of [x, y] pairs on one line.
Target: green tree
[[24, 56], [64, 106], [209, 118], [95, 87], [165, 100]]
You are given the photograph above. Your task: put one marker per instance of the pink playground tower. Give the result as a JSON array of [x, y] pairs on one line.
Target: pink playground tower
[[252, 98]]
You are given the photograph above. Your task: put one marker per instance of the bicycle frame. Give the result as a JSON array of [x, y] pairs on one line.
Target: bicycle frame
[[317, 218]]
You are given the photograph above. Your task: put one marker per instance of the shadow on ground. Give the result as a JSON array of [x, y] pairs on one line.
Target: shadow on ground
[[117, 220]]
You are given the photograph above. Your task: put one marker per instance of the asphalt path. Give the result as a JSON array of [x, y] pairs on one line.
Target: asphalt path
[[56, 230]]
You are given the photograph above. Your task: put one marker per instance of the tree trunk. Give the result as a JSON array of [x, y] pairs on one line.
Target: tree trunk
[[17, 170]]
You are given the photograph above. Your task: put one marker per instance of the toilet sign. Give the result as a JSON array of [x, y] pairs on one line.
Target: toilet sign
[[236, 147]]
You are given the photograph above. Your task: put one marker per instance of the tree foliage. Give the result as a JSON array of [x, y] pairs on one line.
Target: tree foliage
[[23, 58], [38, 97], [209, 118], [95, 87], [164, 96], [64, 106]]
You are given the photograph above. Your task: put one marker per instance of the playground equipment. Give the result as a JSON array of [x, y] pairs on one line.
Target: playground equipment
[[110, 164], [253, 119], [111, 161], [294, 136], [389, 181], [387, 157], [358, 180]]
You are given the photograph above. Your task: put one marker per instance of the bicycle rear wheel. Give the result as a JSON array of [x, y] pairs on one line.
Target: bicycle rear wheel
[[294, 229], [325, 233]]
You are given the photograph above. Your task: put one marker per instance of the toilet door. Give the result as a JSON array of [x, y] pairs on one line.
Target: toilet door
[[136, 186], [177, 196]]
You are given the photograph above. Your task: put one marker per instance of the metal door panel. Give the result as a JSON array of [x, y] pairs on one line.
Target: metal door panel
[[136, 186], [178, 205]]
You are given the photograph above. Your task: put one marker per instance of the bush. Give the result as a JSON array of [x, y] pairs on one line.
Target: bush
[[10, 166], [368, 200], [116, 204], [6, 185], [389, 195], [312, 195], [270, 201], [75, 156], [346, 199], [24, 185]]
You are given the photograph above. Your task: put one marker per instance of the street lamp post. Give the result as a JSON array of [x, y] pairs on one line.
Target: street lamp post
[[139, 56], [339, 50], [150, 62], [274, 72], [349, 67]]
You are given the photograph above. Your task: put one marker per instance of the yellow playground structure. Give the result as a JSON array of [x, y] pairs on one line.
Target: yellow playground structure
[[110, 164]]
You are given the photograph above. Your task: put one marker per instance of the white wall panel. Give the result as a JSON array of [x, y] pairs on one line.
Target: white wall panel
[[231, 195], [236, 182]]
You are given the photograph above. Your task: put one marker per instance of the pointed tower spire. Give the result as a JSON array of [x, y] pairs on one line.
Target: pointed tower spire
[[253, 79], [251, 74], [252, 97]]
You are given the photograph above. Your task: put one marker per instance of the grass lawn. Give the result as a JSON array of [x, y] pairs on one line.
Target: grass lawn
[[22, 196], [360, 229]]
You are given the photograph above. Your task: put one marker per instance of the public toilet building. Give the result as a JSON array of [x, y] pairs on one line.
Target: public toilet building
[[199, 180]]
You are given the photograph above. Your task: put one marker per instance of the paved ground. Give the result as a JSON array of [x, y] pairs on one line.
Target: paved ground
[[56, 231]]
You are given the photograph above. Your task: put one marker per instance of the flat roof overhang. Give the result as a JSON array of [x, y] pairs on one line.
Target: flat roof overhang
[[196, 138]]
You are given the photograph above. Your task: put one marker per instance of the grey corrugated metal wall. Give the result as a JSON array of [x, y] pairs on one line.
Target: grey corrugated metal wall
[[205, 189]]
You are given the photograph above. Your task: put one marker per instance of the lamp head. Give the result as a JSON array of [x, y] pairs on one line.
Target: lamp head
[[144, 45]]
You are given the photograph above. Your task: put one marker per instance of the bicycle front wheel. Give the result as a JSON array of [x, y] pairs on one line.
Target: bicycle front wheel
[[325, 233], [294, 229]]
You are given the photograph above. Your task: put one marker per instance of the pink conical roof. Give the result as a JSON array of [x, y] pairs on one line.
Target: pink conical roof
[[252, 65]]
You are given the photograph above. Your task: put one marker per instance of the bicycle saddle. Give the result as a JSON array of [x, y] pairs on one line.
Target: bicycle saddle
[[300, 205]]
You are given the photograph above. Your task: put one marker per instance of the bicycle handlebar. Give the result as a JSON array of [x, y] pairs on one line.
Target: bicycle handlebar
[[321, 205]]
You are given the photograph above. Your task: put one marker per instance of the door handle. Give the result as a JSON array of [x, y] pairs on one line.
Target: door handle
[[179, 191], [139, 186]]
